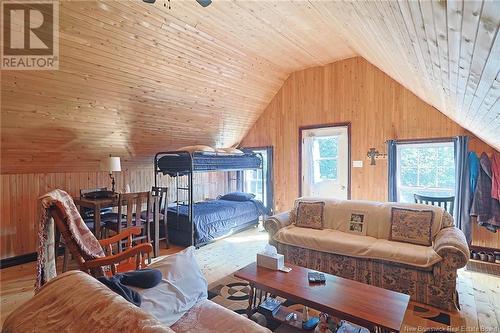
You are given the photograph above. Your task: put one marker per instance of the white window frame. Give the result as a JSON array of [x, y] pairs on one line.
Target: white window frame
[[437, 190]]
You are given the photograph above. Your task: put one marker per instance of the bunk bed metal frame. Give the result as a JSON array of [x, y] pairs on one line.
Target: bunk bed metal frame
[[189, 169]]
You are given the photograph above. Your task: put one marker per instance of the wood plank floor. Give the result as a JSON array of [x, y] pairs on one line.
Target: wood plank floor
[[479, 293]]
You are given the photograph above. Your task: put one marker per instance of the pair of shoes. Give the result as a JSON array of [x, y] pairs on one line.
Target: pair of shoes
[[491, 257], [483, 256], [474, 255], [497, 257]]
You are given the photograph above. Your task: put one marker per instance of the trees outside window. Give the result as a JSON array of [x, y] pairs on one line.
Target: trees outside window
[[325, 155], [425, 169]]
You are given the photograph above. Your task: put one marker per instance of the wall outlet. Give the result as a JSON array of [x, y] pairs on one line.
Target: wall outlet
[[357, 164]]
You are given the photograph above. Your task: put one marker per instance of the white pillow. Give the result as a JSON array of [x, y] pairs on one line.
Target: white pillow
[[183, 285], [199, 148]]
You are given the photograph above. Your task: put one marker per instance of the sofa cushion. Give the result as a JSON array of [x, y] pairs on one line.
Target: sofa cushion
[[377, 215], [338, 242], [412, 226], [310, 215]]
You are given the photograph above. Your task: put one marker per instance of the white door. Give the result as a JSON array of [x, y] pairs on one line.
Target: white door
[[325, 162]]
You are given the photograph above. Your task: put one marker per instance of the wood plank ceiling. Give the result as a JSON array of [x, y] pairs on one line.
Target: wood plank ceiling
[[446, 52], [136, 78]]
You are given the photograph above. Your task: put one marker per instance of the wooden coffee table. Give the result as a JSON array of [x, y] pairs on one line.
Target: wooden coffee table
[[372, 307]]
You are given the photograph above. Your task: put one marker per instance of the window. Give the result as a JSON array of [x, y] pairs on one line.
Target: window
[[252, 179], [425, 169], [325, 156]]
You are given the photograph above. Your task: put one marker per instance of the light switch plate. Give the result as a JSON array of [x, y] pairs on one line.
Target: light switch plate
[[357, 164]]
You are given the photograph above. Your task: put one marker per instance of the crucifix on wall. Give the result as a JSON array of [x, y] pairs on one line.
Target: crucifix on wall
[[374, 154]]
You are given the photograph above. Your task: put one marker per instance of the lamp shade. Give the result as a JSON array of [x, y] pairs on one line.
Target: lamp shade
[[113, 164]]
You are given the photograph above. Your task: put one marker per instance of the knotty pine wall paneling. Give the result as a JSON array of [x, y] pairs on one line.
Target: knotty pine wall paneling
[[19, 193], [378, 109]]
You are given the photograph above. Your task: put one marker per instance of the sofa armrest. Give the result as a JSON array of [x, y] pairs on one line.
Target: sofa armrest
[[451, 245], [275, 223]]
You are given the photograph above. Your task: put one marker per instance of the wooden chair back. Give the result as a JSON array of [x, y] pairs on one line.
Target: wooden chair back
[[161, 195], [130, 206], [444, 202]]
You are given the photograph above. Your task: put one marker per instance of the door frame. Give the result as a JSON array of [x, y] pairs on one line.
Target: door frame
[[270, 175], [316, 126]]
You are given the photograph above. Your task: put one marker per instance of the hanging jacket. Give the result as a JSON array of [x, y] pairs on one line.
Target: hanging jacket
[[486, 208], [470, 181], [495, 176], [473, 168]]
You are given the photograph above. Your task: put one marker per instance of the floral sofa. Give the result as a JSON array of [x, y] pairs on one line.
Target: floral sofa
[[370, 254]]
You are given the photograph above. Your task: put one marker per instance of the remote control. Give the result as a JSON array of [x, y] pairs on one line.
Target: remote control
[[316, 277]]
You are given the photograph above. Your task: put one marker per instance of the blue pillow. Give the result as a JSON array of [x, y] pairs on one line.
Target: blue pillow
[[238, 196]]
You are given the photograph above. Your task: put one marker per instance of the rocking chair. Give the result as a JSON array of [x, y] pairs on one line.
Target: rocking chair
[[132, 257]]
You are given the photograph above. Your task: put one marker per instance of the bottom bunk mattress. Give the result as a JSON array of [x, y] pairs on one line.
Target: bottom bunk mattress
[[211, 220]]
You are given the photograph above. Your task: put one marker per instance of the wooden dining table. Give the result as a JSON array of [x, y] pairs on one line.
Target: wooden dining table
[[97, 204]]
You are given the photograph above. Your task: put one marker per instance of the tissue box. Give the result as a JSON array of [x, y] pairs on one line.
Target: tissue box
[[273, 261]]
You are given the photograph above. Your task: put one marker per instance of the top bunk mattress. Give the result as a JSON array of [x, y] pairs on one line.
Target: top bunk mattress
[[174, 163]]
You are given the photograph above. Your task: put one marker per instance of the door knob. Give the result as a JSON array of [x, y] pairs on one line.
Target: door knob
[[342, 187]]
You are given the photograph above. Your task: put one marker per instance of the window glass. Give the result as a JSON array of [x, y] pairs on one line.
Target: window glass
[[328, 146], [425, 169], [328, 169], [253, 179], [325, 154]]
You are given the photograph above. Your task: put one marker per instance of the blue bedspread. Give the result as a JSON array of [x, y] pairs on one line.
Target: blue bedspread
[[215, 218]]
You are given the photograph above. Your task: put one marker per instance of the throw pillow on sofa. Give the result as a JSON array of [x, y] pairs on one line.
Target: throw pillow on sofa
[[310, 215], [412, 226]]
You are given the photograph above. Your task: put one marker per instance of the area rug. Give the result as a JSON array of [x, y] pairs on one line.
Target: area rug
[[232, 293]]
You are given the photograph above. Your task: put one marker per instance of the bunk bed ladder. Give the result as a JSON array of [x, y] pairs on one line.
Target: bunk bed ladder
[[190, 207]]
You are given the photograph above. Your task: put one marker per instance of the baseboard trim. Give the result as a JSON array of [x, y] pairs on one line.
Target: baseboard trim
[[23, 259], [18, 260]]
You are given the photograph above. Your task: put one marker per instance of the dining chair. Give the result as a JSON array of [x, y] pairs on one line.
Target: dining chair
[[444, 202], [130, 206], [161, 201]]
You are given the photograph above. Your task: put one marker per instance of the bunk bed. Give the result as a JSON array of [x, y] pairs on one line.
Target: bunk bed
[[199, 223]]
